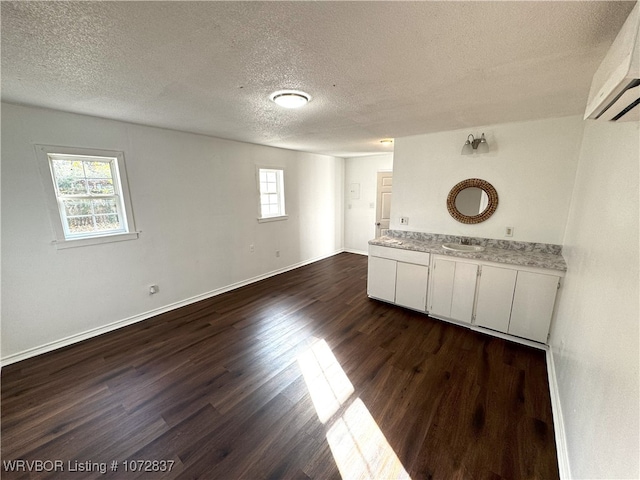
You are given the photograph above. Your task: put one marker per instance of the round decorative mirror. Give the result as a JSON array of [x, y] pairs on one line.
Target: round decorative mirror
[[472, 201]]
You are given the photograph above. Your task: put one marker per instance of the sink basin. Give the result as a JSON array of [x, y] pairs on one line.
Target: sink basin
[[462, 248]]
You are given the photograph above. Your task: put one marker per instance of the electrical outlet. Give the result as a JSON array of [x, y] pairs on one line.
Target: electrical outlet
[[277, 253], [404, 220], [508, 232], [252, 248]]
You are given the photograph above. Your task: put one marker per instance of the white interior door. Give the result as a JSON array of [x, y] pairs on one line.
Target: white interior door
[[383, 201]]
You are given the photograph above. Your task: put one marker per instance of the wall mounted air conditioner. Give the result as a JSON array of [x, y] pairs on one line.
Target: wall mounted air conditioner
[[615, 89]]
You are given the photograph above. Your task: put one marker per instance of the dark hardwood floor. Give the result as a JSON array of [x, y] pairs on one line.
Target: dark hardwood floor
[[297, 376]]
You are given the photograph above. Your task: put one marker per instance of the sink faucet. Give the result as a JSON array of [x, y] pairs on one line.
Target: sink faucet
[[465, 241]]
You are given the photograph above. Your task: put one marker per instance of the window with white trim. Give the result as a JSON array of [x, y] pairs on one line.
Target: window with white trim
[[90, 193], [271, 186]]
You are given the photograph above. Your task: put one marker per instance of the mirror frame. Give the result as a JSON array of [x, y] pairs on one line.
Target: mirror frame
[[469, 183]]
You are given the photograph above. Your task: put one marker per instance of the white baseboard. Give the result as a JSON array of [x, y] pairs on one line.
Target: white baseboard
[[48, 347], [558, 421], [359, 252]]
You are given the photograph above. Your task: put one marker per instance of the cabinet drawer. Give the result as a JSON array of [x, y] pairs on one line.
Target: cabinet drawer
[[408, 256]]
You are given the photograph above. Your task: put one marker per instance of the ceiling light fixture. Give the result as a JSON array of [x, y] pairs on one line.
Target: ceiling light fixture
[[290, 98], [386, 141], [480, 145]]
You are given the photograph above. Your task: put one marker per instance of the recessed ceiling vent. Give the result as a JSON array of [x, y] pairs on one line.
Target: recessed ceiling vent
[[615, 90]]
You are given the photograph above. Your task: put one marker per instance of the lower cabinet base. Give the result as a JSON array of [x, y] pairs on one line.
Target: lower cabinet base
[[475, 328], [521, 341]]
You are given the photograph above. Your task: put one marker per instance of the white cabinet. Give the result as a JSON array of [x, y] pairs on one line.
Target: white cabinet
[[441, 291], [381, 278], [495, 297], [516, 302], [533, 302], [398, 276], [411, 285], [453, 286]]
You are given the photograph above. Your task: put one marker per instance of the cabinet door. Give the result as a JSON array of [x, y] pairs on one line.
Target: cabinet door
[[381, 278], [411, 286], [442, 287], [495, 297], [464, 291], [533, 302], [453, 286]]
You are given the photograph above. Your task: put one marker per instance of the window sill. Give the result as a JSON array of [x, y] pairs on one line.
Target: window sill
[[82, 242], [272, 219]]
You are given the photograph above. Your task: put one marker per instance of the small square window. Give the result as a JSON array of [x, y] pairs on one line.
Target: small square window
[[88, 193], [271, 188]]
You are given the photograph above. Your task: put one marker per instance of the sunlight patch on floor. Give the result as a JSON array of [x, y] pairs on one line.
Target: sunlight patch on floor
[[359, 447], [327, 383]]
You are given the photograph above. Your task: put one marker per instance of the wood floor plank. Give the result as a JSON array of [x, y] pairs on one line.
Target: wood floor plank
[[221, 389]]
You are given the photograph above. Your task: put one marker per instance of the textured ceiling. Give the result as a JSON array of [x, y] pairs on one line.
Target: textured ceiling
[[374, 69]]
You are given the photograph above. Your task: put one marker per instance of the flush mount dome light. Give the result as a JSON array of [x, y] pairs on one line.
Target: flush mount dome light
[[290, 98]]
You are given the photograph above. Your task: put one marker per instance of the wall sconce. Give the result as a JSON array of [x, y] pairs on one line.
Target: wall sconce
[[480, 145]]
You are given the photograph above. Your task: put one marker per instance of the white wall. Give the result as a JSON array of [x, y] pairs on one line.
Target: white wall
[[531, 165], [595, 337], [195, 202], [359, 215]]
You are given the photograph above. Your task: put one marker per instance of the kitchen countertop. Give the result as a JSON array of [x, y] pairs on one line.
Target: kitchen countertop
[[536, 259]]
